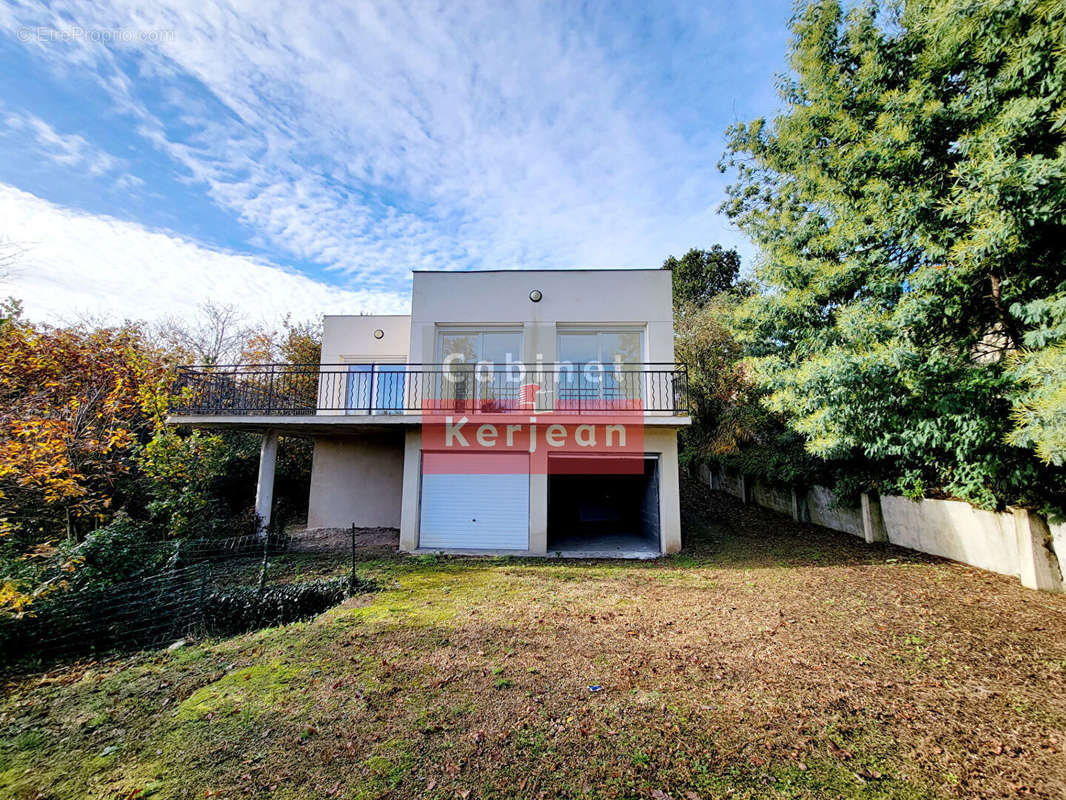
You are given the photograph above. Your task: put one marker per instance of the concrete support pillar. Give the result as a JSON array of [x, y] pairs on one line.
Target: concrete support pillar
[[800, 511], [1038, 568], [538, 513], [873, 523], [410, 511], [669, 495], [264, 488]]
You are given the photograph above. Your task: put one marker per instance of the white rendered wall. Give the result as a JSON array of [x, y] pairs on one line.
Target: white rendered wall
[[597, 298], [350, 339], [657, 441]]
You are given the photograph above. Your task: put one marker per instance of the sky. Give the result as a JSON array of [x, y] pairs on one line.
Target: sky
[[303, 158]]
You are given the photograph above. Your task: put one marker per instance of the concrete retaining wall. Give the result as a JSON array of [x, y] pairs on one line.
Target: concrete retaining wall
[[774, 497], [1058, 544], [821, 512], [955, 530], [1015, 542], [728, 482]]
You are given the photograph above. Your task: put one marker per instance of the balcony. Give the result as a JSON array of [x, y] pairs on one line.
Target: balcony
[[400, 392]]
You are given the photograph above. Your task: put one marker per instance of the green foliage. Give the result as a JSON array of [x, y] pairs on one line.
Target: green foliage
[[699, 275], [730, 424], [202, 484], [1039, 371], [778, 456], [72, 417], [235, 609], [86, 456], [122, 550], [133, 614], [10, 310], [910, 204], [187, 474], [716, 379], [126, 615]]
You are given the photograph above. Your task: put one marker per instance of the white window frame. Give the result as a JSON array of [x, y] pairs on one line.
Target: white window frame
[[562, 330], [472, 330]]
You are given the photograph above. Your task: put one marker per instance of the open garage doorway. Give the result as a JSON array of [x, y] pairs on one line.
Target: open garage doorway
[[592, 512]]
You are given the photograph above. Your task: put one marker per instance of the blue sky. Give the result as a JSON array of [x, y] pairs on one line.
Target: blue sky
[[306, 157]]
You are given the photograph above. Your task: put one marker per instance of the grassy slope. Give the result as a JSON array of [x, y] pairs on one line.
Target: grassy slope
[[768, 660]]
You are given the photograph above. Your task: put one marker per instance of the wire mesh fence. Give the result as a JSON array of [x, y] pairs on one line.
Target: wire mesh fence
[[139, 613], [206, 588]]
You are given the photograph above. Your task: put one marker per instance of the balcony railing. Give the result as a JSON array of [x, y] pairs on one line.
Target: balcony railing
[[384, 389]]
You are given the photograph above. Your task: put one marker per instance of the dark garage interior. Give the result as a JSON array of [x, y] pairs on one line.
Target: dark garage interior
[[599, 513]]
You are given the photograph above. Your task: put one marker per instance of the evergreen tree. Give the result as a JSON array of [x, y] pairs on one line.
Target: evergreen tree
[[910, 205], [699, 275]]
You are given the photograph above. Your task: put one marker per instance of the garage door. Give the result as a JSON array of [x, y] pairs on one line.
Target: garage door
[[480, 505]]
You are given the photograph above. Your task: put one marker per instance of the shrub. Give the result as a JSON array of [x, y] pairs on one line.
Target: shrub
[[155, 611], [234, 609], [120, 551], [118, 616]]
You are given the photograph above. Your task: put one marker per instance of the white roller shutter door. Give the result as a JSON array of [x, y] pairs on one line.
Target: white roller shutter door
[[465, 510]]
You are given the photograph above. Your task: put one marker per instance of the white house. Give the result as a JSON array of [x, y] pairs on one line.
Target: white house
[[530, 412]]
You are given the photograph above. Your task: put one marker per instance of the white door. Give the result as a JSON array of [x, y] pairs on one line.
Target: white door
[[480, 505]]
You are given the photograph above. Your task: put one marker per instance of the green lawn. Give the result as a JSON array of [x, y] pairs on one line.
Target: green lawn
[[768, 660]]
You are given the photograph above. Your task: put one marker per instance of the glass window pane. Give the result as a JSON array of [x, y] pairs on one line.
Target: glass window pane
[[622, 347], [500, 347], [463, 347], [498, 385], [359, 379], [577, 348], [488, 385], [388, 388]]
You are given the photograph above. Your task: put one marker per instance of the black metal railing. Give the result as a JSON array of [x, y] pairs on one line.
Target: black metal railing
[[383, 389]]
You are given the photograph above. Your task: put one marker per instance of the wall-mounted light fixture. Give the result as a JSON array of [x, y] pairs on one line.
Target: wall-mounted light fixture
[[379, 333], [536, 295]]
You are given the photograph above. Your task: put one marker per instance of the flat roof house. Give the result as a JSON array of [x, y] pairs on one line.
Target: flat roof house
[[531, 412]]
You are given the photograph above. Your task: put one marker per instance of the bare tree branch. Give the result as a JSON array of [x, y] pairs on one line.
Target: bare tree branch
[[10, 253], [216, 336]]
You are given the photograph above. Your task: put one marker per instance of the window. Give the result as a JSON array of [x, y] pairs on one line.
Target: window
[[621, 346], [476, 367], [360, 380], [600, 367], [473, 346], [375, 388]]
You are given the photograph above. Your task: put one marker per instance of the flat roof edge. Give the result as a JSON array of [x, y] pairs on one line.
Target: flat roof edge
[[527, 271], [370, 316]]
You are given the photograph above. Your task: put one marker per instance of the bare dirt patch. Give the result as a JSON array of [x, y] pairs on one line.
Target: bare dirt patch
[[339, 540]]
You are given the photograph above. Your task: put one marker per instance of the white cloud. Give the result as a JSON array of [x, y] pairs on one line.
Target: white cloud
[[67, 150], [383, 136], [80, 264]]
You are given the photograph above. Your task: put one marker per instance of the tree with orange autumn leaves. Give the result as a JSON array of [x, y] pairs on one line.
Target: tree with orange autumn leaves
[[82, 437], [72, 410], [73, 405]]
